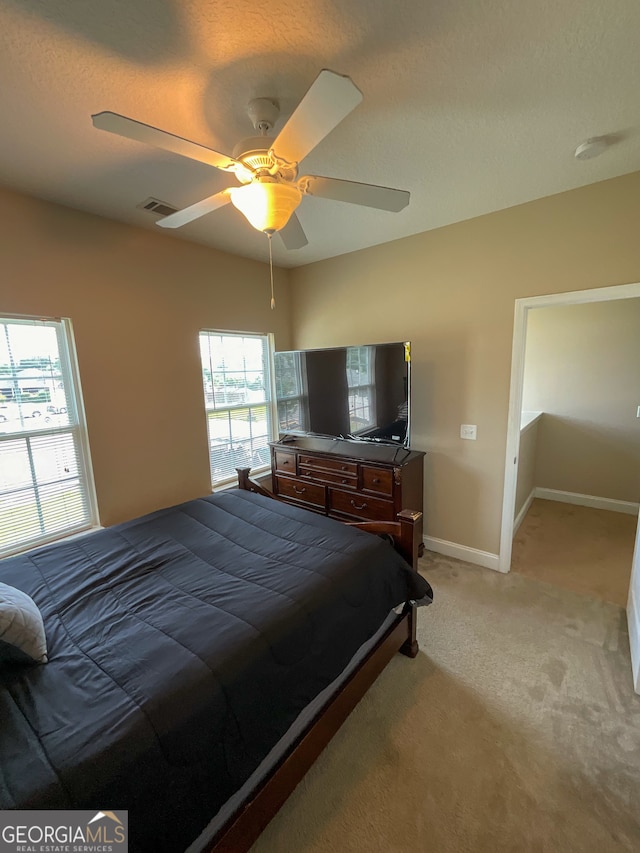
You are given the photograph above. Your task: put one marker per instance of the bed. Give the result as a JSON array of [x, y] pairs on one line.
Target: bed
[[200, 657]]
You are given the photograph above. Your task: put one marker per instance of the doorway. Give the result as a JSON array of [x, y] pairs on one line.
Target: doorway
[[522, 309]]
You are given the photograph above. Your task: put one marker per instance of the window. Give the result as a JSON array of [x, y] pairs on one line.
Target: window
[[46, 490], [237, 392], [361, 388]]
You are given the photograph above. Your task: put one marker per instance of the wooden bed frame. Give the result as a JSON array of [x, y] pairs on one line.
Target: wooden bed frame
[[252, 816]]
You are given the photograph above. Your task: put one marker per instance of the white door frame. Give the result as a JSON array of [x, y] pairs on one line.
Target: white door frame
[[633, 613], [522, 308]]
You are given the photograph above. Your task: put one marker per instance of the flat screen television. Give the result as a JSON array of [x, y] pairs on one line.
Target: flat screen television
[[359, 393]]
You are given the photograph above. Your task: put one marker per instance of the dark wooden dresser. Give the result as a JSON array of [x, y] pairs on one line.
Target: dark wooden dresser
[[349, 480]]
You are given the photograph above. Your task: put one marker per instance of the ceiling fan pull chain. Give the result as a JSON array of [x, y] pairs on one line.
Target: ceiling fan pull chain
[[273, 299]]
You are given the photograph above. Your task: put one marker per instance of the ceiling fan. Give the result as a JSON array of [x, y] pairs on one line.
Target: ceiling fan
[[267, 168]]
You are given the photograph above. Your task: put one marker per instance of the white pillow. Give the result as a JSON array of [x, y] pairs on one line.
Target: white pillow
[[22, 637]]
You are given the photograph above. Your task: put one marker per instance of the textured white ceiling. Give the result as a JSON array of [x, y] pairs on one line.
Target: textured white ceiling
[[472, 105]]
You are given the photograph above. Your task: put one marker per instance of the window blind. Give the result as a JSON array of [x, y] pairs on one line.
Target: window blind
[[45, 485]]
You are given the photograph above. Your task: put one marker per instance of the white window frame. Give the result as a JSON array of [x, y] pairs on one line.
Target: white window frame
[[77, 427], [270, 403]]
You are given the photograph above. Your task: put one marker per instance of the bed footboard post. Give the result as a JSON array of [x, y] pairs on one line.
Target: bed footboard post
[[243, 478], [410, 536], [245, 482], [410, 647]]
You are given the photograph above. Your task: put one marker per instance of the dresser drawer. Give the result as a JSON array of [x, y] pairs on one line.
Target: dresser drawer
[[378, 480], [308, 493], [285, 461], [325, 463], [360, 506], [346, 480]]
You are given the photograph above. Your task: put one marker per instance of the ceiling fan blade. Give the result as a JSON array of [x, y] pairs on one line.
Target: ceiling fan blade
[[330, 98], [131, 129], [292, 234], [194, 211], [369, 195]]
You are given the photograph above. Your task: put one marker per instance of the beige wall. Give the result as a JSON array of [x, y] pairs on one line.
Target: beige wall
[[452, 291], [582, 368], [137, 301]]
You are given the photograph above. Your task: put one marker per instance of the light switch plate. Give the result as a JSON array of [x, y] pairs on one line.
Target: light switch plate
[[469, 431]]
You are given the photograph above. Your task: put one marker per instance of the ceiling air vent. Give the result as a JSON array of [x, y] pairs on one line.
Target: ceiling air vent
[[154, 205]]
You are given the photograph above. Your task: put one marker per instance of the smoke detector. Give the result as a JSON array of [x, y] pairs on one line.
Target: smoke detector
[[591, 148]]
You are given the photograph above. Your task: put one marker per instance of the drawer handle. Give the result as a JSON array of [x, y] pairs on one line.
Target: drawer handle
[[285, 461], [375, 481], [344, 468], [358, 506], [299, 491], [343, 481]]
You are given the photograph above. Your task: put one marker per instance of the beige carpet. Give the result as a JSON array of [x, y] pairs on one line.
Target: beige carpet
[[578, 548], [515, 729]]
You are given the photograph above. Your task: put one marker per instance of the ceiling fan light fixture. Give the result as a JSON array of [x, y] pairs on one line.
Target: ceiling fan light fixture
[[267, 205]]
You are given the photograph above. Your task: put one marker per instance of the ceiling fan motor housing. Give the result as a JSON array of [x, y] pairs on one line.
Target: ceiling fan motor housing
[[255, 152]]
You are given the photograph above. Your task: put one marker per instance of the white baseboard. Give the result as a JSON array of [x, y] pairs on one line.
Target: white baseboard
[[525, 509], [492, 561], [628, 507], [462, 552]]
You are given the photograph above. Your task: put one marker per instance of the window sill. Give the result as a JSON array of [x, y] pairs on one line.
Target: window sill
[[62, 538], [256, 473]]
